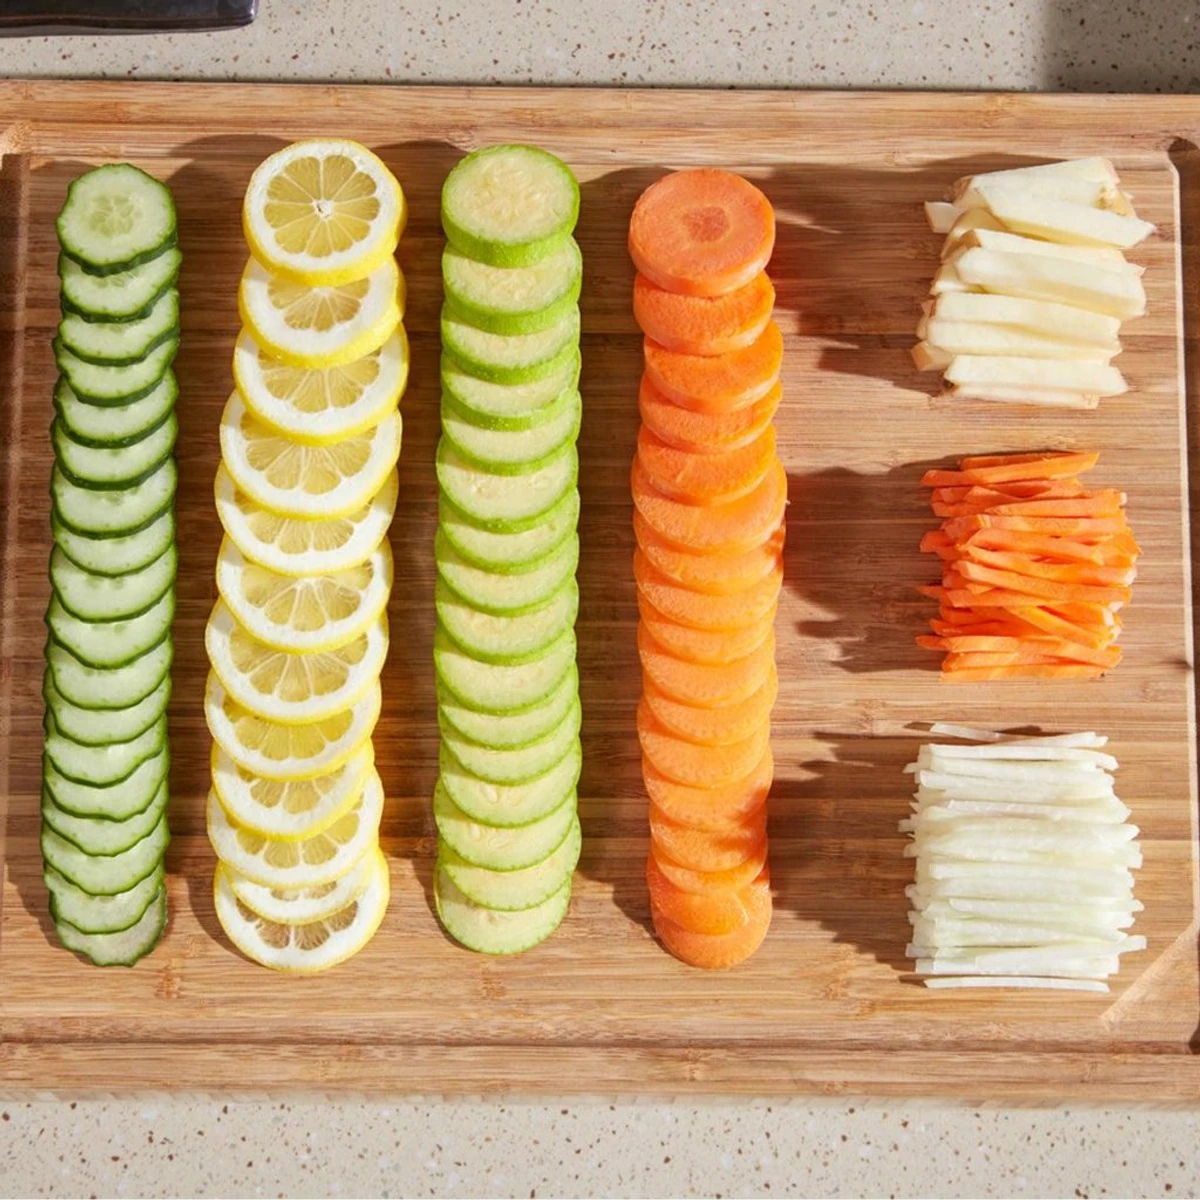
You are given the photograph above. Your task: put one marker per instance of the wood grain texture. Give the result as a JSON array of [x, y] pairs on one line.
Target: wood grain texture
[[827, 1005]]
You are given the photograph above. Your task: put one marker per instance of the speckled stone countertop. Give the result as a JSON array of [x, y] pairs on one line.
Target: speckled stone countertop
[[193, 1147]]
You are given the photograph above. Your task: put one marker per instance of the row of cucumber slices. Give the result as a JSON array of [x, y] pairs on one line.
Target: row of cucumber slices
[[112, 570], [506, 551]]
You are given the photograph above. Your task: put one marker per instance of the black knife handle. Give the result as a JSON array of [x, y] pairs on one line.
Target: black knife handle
[[24, 17]]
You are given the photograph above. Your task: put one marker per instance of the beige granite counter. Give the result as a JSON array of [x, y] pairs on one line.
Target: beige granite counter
[[210, 1148]]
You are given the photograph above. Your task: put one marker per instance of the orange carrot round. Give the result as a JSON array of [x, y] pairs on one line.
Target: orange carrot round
[[706, 478], [708, 849], [714, 726], [719, 383], [712, 912], [704, 645], [710, 807], [705, 433], [721, 951], [705, 686], [703, 324], [707, 611], [736, 526], [705, 882], [716, 573], [698, 766], [701, 232]]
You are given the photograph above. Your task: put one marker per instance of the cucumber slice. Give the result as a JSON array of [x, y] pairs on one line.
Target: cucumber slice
[[511, 594], [119, 343], [511, 406], [100, 726], [508, 731], [518, 358], [514, 891], [105, 876], [491, 688], [113, 466], [112, 643], [513, 452], [101, 914], [506, 503], [113, 512], [121, 296], [103, 598], [510, 205], [507, 552], [489, 931], [500, 849], [109, 385], [121, 949], [510, 767], [117, 424], [101, 766], [111, 688], [98, 835], [505, 807], [506, 639], [116, 217], [116, 803], [513, 299], [116, 555]]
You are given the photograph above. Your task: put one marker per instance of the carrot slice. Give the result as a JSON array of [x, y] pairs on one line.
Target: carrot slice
[[716, 573], [1022, 564], [705, 432], [708, 849], [1048, 588], [719, 383], [698, 766], [717, 953], [701, 685], [704, 645], [1047, 466], [707, 882], [713, 912], [1081, 528], [703, 324], [735, 526], [706, 478], [1039, 544], [714, 726], [710, 807], [707, 611], [701, 232]]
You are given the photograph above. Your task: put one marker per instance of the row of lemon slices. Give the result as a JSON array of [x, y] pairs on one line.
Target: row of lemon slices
[[310, 440]]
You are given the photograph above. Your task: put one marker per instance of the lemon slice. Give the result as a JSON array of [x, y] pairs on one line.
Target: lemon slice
[[325, 210], [292, 689], [309, 948], [288, 751], [320, 326], [322, 858], [289, 810], [316, 482], [299, 906], [304, 614], [320, 405], [295, 546]]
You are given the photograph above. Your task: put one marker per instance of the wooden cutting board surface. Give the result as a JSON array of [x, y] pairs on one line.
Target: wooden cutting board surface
[[828, 1004]]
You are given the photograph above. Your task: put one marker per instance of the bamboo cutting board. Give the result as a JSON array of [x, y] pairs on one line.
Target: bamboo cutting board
[[827, 1005]]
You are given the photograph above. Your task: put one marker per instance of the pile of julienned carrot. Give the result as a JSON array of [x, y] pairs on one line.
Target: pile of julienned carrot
[[709, 495], [1036, 568]]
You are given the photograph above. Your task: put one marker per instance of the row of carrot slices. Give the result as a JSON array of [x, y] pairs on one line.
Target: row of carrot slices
[[709, 495]]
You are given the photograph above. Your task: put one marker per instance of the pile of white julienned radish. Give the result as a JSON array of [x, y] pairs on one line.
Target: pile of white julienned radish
[[1025, 862]]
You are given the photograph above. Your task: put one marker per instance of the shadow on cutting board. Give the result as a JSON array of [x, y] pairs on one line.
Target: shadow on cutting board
[[612, 797], [853, 558], [837, 856]]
